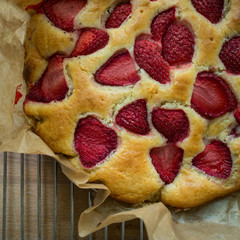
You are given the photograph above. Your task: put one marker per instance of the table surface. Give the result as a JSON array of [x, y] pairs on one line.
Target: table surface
[[63, 226]]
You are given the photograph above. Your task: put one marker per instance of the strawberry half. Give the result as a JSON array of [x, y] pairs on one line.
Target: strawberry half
[[172, 123], [178, 44], [148, 57], [215, 160], [237, 114], [167, 161], [119, 15], [52, 85], [161, 22], [211, 96], [119, 70], [63, 12], [133, 117], [94, 141], [210, 9], [230, 55], [90, 41]]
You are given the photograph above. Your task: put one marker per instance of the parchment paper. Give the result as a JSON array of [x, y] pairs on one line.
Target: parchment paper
[[219, 219]]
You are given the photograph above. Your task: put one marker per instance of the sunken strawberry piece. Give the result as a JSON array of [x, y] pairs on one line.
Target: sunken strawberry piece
[[133, 117], [148, 57], [167, 161], [52, 85], [211, 96], [210, 9], [161, 22], [237, 114], [90, 41], [215, 160], [230, 55], [173, 124], [119, 70], [235, 132], [93, 141], [119, 15], [63, 12], [37, 7], [178, 44]]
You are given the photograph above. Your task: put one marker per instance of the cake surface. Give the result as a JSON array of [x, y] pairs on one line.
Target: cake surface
[[142, 95]]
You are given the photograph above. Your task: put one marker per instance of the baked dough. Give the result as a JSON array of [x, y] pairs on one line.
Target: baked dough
[[128, 169]]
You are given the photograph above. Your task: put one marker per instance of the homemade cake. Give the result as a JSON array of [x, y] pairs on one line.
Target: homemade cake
[[143, 95]]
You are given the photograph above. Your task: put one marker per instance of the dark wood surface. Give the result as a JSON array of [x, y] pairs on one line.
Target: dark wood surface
[[63, 224]]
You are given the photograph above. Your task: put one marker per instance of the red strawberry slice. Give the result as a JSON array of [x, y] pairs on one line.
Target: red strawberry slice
[[119, 70], [161, 22], [178, 44], [148, 57], [52, 85], [133, 117], [167, 161], [63, 12], [215, 160], [119, 15], [172, 123], [211, 96], [210, 9], [90, 41], [237, 114], [230, 55], [93, 141]]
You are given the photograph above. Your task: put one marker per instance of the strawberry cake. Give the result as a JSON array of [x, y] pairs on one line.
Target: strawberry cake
[[142, 95]]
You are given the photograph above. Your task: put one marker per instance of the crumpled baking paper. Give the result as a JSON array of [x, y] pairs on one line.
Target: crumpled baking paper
[[219, 219]]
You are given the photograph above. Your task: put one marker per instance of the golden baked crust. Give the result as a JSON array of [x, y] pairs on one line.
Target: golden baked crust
[[129, 172]]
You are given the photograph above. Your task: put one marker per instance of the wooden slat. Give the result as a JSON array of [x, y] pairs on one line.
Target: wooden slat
[[63, 211]]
